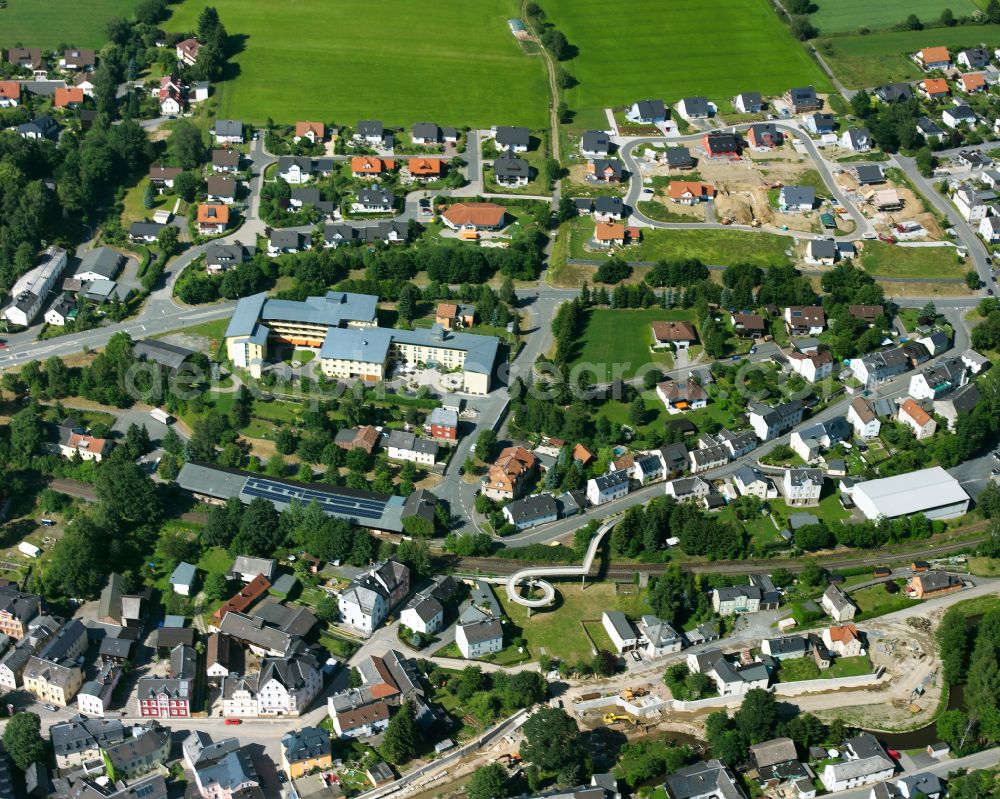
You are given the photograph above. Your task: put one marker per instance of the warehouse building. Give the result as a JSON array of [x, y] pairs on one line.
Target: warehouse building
[[932, 492]]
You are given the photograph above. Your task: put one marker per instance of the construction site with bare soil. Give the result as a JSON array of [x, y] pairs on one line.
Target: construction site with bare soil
[[895, 211], [747, 190]]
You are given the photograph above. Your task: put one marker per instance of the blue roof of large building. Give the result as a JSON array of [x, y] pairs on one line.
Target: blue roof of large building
[[244, 320], [368, 344], [333, 309], [480, 351]]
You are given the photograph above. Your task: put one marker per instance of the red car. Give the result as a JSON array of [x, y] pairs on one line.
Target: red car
[[234, 721]]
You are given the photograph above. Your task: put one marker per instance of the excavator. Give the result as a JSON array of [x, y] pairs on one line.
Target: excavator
[[611, 718]]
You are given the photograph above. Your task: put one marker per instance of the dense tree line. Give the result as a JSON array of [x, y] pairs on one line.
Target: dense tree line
[[971, 656], [644, 530]]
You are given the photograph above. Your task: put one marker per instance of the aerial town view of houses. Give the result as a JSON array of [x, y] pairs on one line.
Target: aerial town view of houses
[[499, 400]]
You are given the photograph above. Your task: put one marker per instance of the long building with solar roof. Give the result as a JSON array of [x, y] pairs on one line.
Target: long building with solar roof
[[365, 508], [343, 327]]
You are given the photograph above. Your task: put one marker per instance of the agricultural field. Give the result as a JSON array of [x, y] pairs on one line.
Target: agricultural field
[[451, 62], [622, 55], [68, 22], [866, 61], [846, 16]]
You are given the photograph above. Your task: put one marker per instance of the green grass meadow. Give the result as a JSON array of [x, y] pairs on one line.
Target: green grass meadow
[[652, 49], [452, 62], [889, 260], [866, 61], [79, 23], [625, 336], [846, 16]]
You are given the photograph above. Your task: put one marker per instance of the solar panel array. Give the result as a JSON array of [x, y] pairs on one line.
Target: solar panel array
[[331, 502]]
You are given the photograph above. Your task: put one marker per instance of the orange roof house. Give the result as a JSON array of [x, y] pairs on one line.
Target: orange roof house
[[475, 215], [67, 96], [917, 419], [690, 192], [364, 165], [973, 82], [10, 91], [582, 454], [506, 476], [212, 216], [934, 56], [845, 633], [425, 167], [314, 131], [934, 87], [606, 233]]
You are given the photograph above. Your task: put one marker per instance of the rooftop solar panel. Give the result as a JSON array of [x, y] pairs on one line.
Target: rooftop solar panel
[[330, 501]]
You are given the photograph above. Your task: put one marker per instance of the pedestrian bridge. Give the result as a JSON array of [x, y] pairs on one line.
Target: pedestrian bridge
[[535, 576]]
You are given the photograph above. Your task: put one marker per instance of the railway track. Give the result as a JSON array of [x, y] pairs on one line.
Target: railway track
[[627, 571]]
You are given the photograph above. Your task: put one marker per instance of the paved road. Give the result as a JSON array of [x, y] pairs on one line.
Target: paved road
[[968, 237]]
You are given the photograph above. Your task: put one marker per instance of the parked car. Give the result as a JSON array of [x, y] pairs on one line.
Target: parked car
[[234, 721]]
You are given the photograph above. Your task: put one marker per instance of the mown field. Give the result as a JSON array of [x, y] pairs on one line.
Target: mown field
[[648, 48], [79, 23], [452, 62], [887, 260], [846, 16], [866, 61]]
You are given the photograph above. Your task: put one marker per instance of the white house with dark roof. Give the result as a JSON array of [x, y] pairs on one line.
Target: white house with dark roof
[[366, 602], [838, 604], [403, 446], [512, 139], [862, 416], [479, 638], [227, 131], [748, 103], [802, 487], [647, 112], [607, 487], [423, 614], [620, 630], [531, 511]]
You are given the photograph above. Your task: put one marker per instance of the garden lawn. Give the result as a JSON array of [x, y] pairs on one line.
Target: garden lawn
[[559, 632], [622, 338], [890, 260], [797, 669], [79, 23], [876, 601], [849, 667], [712, 247], [623, 57], [452, 62], [866, 61], [846, 16]]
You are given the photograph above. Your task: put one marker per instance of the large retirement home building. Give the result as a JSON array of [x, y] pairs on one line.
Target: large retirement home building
[[344, 329]]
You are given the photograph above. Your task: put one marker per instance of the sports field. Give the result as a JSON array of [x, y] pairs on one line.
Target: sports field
[[866, 61], [845, 16], [449, 61], [652, 49], [72, 22]]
